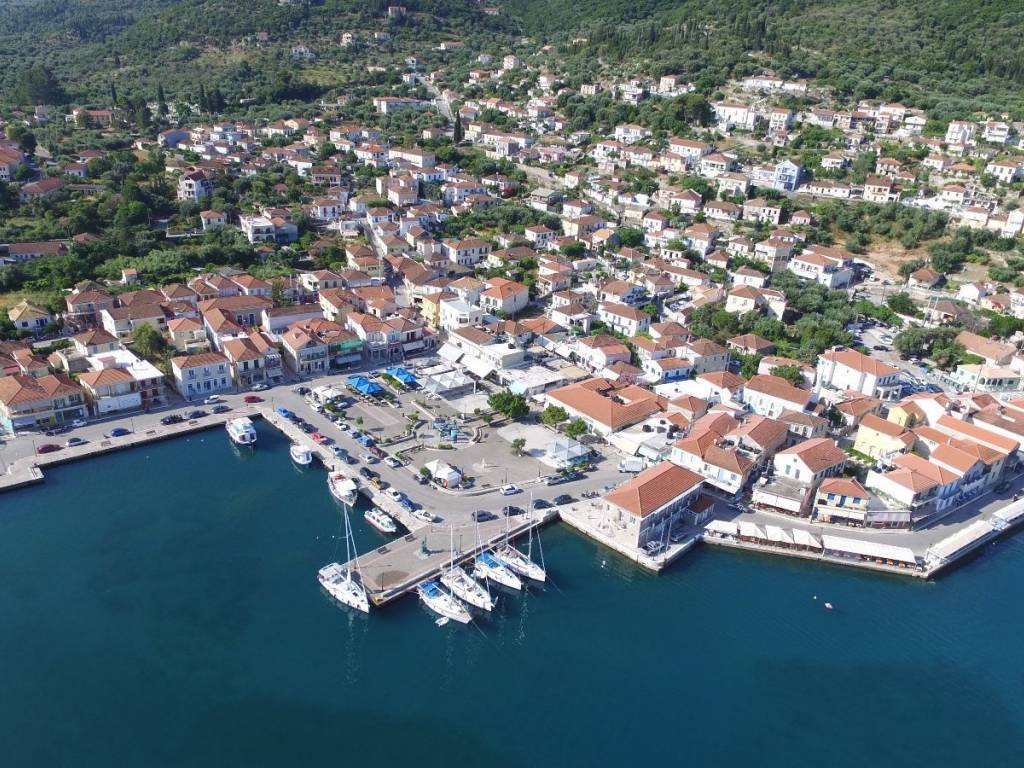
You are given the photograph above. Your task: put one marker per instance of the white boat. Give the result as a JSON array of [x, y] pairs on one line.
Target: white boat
[[343, 587], [340, 580], [490, 567], [380, 520], [464, 587], [441, 603], [520, 563], [241, 431], [301, 455], [343, 488]]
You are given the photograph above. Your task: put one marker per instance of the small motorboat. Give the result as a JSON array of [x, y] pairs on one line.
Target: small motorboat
[[343, 488], [380, 520], [301, 455]]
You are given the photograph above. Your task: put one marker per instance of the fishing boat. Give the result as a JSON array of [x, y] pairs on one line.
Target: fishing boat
[[301, 455], [343, 488], [380, 520], [491, 568], [340, 581], [520, 563], [466, 588], [241, 431], [441, 603], [343, 587]]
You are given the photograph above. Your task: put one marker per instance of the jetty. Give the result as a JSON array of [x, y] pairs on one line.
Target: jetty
[[395, 568]]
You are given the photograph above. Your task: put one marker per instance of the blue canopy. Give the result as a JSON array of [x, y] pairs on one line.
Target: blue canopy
[[402, 375], [364, 385]]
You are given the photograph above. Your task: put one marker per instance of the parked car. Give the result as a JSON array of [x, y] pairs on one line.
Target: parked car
[[47, 448], [253, 399], [198, 413], [58, 430], [541, 504], [73, 441], [510, 489], [369, 458], [307, 428], [392, 462], [368, 473], [564, 498], [321, 438], [119, 432], [510, 511], [222, 408], [261, 387], [393, 494], [211, 400], [173, 418], [79, 423], [482, 516]]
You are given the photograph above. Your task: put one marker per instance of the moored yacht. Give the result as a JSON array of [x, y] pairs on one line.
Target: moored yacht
[[490, 567], [380, 520], [466, 588], [343, 587], [441, 603], [301, 455], [343, 488], [520, 563], [241, 431]]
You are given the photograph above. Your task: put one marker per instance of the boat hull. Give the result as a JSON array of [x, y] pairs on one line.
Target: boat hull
[[467, 590], [344, 589], [383, 525], [445, 605], [499, 575]]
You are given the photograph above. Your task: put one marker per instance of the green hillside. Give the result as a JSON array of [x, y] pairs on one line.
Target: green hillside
[[951, 56]]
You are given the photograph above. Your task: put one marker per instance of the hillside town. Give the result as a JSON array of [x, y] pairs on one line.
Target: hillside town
[[741, 314]]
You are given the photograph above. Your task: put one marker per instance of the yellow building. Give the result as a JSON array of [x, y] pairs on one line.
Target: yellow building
[[881, 439]]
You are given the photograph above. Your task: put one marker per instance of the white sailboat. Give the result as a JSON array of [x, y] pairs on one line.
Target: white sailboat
[[463, 586], [301, 455], [343, 488], [520, 563], [340, 580], [441, 603], [489, 567]]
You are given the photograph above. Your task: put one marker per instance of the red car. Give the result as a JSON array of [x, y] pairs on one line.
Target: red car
[[47, 448], [253, 399], [320, 438]]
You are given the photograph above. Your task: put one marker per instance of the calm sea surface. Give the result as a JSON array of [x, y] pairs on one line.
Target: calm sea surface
[[160, 607]]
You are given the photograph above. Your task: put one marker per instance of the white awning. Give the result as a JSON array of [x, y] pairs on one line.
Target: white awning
[[951, 545], [777, 535], [868, 549], [805, 539], [722, 527], [450, 353], [478, 367], [751, 531]]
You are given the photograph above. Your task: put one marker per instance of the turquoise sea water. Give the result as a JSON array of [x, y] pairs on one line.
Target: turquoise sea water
[[160, 607]]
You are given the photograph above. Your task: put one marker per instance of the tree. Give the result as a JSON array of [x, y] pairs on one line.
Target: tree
[[631, 237], [576, 429], [517, 446], [512, 406], [161, 100], [457, 129], [553, 415], [148, 342], [37, 85], [790, 373], [902, 304]]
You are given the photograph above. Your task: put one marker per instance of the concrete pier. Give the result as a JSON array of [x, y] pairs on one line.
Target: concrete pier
[[397, 567]]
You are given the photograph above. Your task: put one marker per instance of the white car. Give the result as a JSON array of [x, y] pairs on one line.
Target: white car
[[392, 462], [261, 387], [212, 400], [509, 490], [79, 423], [369, 458], [422, 514], [393, 494]]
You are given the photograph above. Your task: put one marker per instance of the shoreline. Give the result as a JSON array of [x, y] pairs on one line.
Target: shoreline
[[28, 471]]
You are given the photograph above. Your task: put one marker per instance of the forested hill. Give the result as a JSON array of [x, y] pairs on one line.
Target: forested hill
[[950, 56], [137, 45]]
